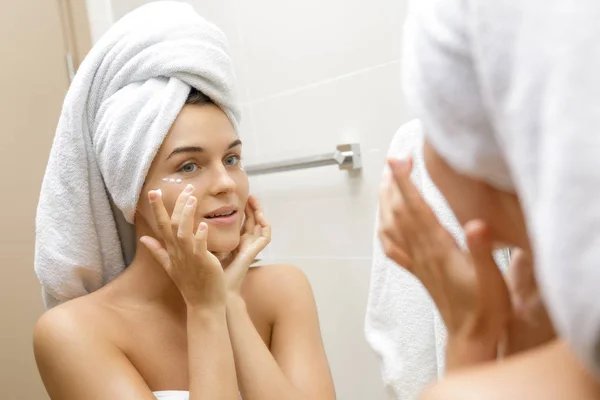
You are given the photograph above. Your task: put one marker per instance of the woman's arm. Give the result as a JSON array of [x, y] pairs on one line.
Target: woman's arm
[[211, 365], [199, 277], [76, 362], [296, 366]]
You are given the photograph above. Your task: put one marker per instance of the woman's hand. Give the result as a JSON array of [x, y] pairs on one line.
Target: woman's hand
[[467, 287], [196, 272], [255, 236], [530, 325]]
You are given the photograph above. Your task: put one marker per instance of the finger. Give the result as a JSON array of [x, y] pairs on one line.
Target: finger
[[261, 220], [158, 252], [265, 226], [262, 234], [201, 239], [392, 213], [423, 224], [390, 232], [185, 231], [161, 217], [263, 238], [492, 286], [249, 220], [180, 205], [256, 205], [411, 196], [250, 211], [395, 253]]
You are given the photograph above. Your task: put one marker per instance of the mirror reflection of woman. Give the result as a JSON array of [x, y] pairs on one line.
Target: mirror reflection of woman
[[188, 317], [507, 94]]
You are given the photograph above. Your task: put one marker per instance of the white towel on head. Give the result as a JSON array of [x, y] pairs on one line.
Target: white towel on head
[[508, 93], [117, 112], [402, 324]]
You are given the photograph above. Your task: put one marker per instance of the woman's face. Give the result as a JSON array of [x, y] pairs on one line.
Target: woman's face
[[473, 199], [201, 149]]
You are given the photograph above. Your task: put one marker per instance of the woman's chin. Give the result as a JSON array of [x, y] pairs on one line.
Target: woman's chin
[[223, 244]]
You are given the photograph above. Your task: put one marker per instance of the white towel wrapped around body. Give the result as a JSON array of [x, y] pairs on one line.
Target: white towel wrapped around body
[[402, 323], [117, 112]]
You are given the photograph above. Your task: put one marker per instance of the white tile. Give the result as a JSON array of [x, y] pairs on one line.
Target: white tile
[[100, 17], [289, 44], [248, 136], [367, 106], [222, 14], [122, 7], [326, 212], [216, 12], [341, 289]]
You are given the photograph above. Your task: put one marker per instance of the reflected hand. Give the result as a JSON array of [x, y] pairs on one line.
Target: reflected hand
[[467, 287], [530, 324]]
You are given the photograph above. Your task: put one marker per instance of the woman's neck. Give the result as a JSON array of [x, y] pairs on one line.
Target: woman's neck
[[145, 281]]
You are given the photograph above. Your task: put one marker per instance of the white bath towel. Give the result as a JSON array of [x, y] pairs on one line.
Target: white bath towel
[[119, 108], [403, 325], [508, 92]]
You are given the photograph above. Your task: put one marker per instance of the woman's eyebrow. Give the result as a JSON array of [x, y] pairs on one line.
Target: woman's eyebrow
[[186, 149], [234, 144], [198, 149]]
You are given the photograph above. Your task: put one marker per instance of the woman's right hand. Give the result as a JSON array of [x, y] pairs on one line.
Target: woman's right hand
[[183, 254]]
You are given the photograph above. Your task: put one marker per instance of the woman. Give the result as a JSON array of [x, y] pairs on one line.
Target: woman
[[506, 92], [187, 318]]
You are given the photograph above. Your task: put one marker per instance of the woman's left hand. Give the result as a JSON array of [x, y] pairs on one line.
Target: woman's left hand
[[255, 236], [466, 286]]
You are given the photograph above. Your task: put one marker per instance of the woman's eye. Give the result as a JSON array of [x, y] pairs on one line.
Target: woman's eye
[[189, 168], [232, 160]]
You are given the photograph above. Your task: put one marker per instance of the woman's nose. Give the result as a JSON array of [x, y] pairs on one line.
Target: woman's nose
[[221, 181]]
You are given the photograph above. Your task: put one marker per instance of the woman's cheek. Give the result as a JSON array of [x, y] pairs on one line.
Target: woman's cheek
[[170, 195], [242, 185]]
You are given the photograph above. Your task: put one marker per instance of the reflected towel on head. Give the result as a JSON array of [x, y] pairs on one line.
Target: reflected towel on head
[[117, 112]]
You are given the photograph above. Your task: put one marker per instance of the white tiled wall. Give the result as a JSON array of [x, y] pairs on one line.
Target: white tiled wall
[[314, 74]]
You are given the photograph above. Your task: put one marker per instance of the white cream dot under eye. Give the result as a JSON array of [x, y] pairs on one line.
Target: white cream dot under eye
[[172, 180]]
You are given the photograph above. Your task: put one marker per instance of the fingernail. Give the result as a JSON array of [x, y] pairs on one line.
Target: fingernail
[[387, 177], [402, 165], [154, 194], [191, 201], [202, 226], [189, 189]]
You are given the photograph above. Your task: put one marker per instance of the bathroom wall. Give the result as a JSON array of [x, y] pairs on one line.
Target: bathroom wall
[[35, 37], [314, 74]]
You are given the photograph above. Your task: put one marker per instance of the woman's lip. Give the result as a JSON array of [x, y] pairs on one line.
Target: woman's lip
[[222, 210], [228, 220]]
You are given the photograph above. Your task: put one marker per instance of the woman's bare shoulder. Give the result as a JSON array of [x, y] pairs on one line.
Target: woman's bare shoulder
[[277, 285], [81, 320], [275, 277], [77, 353]]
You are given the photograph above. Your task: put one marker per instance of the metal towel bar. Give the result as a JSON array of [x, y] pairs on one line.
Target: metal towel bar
[[346, 156]]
